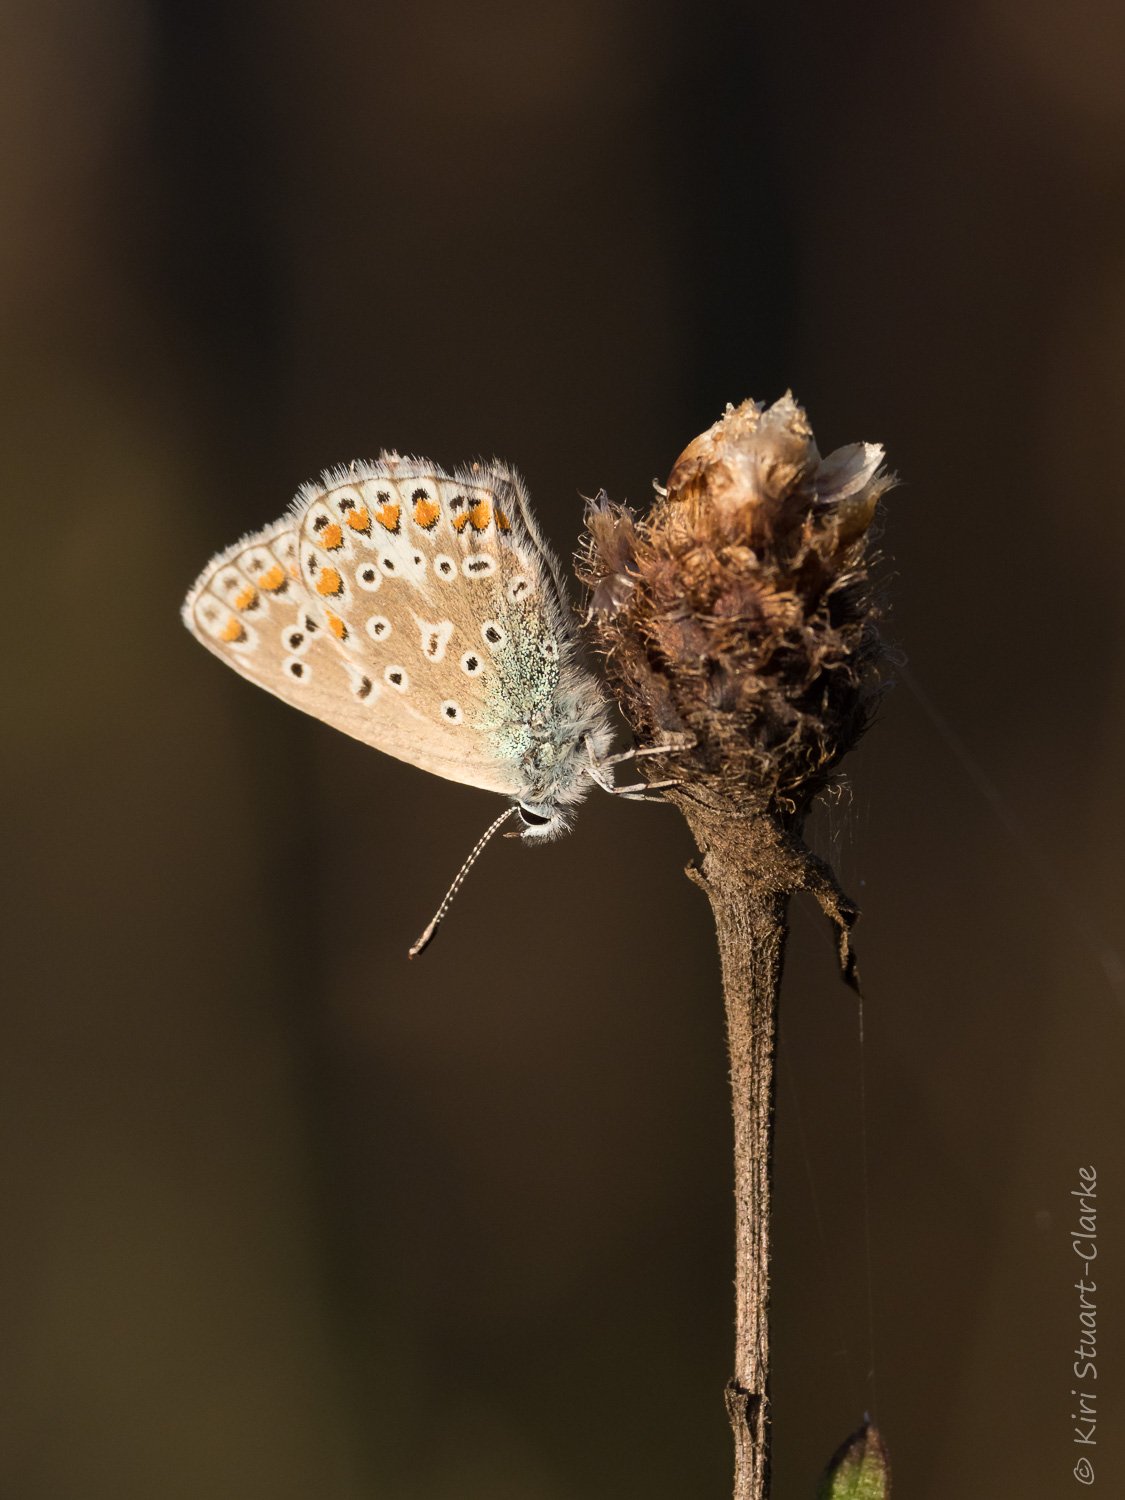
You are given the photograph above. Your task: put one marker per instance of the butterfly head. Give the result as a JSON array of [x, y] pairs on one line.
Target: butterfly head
[[557, 769]]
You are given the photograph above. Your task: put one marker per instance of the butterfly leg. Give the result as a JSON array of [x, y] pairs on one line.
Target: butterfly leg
[[673, 746], [638, 792], [598, 770]]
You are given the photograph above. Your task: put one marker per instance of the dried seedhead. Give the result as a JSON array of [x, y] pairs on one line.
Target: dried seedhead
[[740, 610]]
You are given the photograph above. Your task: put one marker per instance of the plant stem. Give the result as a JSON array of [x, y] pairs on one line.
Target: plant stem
[[750, 920], [751, 944]]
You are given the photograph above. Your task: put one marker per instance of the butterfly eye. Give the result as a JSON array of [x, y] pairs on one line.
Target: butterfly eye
[[368, 577], [471, 664], [378, 627], [531, 819], [451, 711], [444, 565], [519, 588], [494, 635]]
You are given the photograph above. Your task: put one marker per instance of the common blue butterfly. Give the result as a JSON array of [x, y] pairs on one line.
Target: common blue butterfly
[[421, 612]]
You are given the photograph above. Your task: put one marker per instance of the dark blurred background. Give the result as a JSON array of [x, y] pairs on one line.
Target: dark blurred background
[[287, 1216]]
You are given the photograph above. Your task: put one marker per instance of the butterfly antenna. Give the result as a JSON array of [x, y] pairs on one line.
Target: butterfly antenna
[[427, 937]]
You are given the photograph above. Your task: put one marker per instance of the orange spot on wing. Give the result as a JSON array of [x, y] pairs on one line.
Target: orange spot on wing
[[426, 513], [502, 520], [246, 598], [358, 520], [272, 579], [234, 630], [480, 515], [332, 537], [329, 582], [387, 515], [460, 520], [337, 626]]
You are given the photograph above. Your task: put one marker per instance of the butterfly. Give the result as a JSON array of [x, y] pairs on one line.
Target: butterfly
[[423, 613]]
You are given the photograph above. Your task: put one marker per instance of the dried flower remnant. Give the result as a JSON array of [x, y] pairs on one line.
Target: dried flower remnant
[[738, 617], [740, 608]]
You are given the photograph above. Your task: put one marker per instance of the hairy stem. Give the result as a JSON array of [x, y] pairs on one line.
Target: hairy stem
[[751, 944], [750, 920]]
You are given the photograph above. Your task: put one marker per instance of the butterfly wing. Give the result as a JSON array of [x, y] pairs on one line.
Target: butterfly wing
[[417, 611]]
